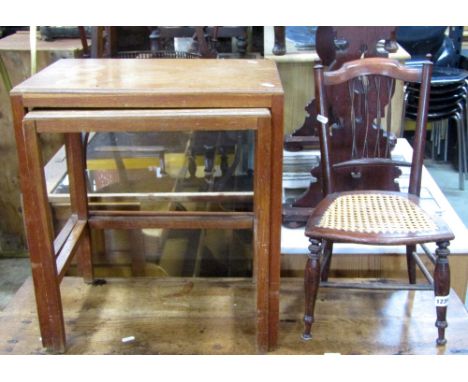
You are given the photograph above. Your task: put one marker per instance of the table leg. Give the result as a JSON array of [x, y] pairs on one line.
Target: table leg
[[262, 179], [41, 249], [79, 200], [276, 165], [28, 205], [137, 252]]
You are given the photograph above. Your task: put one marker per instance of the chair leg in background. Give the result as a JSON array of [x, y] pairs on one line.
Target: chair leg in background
[[327, 256], [461, 156], [411, 263], [311, 285], [441, 289], [465, 131], [464, 127]]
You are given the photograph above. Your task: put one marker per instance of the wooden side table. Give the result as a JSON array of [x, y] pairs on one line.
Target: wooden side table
[[72, 96]]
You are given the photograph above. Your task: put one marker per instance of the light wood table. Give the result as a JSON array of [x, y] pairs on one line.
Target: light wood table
[[73, 96]]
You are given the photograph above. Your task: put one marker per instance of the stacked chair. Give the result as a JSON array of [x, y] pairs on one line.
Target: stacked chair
[[448, 96], [448, 86]]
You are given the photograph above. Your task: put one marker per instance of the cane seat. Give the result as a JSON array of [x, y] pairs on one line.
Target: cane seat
[[374, 217]]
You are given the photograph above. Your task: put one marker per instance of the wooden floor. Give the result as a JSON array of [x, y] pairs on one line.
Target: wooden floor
[[213, 316]]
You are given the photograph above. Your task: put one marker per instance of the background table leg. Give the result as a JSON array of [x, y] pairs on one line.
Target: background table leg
[[79, 199]]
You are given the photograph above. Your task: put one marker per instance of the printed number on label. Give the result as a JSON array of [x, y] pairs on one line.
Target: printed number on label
[[441, 300]]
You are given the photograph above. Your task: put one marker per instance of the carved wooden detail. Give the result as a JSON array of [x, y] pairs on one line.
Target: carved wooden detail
[[335, 46]]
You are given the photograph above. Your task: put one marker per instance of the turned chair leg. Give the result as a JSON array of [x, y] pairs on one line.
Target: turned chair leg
[[311, 285], [327, 255], [441, 289], [411, 262], [209, 163], [192, 164]]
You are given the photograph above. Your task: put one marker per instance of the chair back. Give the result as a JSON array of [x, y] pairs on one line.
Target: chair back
[[356, 137]]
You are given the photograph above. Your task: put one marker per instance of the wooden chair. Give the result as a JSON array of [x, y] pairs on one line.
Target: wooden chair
[[372, 217]]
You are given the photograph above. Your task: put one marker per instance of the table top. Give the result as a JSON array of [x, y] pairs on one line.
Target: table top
[[141, 82]]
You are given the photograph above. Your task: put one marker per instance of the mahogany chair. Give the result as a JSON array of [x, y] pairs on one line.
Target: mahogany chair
[[372, 217]]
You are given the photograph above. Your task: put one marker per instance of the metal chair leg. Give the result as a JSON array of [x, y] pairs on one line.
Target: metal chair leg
[[439, 135], [465, 133], [463, 138], [446, 138], [461, 175]]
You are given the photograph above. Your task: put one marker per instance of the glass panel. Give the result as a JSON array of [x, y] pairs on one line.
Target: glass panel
[[192, 171], [164, 252]]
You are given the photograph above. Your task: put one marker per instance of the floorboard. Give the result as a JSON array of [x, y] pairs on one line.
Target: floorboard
[[216, 316]]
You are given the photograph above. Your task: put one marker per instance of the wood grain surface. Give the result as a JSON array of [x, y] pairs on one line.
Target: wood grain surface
[[152, 83], [213, 316]]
